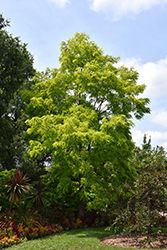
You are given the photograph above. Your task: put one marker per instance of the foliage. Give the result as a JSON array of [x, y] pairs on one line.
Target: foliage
[[3, 22], [37, 197], [25, 226], [18, 184], [148, 202], [146, 154], [4, 176], [7, 242], [38, 203], [16, 68], [82, 115], [13, 185]]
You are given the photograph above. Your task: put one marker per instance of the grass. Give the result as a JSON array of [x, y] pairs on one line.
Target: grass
[[80, 239]]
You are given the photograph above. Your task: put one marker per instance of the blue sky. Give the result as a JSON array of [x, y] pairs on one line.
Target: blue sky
[[134, 30]]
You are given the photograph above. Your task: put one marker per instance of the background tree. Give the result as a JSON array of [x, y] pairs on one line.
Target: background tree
[[82, 115], [146, 154], [5, 176], [147, 202], [16, 68]]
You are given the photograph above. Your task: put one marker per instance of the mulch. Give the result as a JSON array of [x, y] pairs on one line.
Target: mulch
[[135, 242]]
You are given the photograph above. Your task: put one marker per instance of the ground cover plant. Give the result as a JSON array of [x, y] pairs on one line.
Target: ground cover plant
[[7, 242], [17, 227]]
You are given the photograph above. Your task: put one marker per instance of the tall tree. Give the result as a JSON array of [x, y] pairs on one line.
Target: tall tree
[[16, 68], [82, 114]]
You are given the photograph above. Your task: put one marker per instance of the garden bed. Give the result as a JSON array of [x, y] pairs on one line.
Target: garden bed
[[135, 242]]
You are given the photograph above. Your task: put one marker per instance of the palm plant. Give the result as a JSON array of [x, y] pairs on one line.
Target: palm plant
[[38, 203], [18, 184]]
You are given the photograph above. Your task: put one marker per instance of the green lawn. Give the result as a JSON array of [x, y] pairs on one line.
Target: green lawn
[[83, 239]]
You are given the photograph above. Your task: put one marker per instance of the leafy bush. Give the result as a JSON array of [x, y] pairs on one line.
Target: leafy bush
[[148, 201], [4, 176]]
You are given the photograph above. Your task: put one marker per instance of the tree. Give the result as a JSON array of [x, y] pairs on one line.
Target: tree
[[146, 155], [16, 68], [143, 156], [5, 176], [82, 115], [147, 202]]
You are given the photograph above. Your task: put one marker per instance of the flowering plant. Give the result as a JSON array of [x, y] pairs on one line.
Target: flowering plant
[[7, 242]]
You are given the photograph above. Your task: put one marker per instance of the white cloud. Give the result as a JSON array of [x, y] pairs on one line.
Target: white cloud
[[120, 8], [137, 137], [154, 75], [160, 117], [60, 3], [157, 138]]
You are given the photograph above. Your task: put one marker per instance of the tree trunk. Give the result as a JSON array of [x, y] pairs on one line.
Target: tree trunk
[[81, 209], [149, 229], [149, 209]]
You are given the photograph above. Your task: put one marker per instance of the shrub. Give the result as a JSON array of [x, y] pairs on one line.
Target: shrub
[[148, 201]]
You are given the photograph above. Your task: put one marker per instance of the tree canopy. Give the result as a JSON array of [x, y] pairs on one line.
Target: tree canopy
[[16, 68], [82, 114]]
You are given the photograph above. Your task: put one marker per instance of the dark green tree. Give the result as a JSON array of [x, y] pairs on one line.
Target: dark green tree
[[5, 176], [16, 69], [146, 154], [148, 200]]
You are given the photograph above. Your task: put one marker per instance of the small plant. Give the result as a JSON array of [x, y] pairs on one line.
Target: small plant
[[30, 226], [7, 242], [18, 184]]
